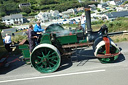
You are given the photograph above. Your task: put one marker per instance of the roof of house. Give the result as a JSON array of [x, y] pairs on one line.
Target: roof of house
[[117, 14], [6, 17], [13, 16]]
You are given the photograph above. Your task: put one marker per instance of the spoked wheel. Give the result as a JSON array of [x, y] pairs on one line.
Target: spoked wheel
[[113, 50], [45, 58]]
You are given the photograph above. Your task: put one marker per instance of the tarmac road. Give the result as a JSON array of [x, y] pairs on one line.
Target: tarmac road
[[83, 70]]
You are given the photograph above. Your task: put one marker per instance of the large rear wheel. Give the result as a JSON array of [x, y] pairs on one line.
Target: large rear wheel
[[45, 58]]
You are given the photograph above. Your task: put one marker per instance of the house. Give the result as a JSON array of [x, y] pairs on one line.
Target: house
[[54, 14], [24, 5], [93, 7], [121, 8], [102, 5], [68, 12], [111, 3], [47, 16], [113, 15], [13, 19], [43, 16]]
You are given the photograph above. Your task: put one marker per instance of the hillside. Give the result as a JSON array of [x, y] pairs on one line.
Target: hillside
[[8, 7]]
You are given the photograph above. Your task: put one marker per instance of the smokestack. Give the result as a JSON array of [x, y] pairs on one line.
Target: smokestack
[[88, 19]]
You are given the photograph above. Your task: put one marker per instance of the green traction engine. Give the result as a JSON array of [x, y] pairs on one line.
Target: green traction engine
[[57, 42]]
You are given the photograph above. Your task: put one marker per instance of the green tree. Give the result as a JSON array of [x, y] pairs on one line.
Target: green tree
[[32, 1], [46, 2], [11, 8], [2, 25], [1, 1], [2, 10]]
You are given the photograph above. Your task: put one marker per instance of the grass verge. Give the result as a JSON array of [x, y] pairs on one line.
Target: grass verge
[[120, 38]]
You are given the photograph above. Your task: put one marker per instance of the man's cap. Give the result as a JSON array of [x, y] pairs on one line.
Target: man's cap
[[38, 22]]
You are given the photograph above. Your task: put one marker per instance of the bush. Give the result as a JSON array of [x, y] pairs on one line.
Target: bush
[[119, 38], [24, 13], [119, 24], [2, 14], [97, 22], [110, 25], [98, 10]]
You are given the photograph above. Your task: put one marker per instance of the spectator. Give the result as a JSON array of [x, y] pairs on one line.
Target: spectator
[[8, 42], [31, 37], [38, 31], [83, 21], [38, 28]]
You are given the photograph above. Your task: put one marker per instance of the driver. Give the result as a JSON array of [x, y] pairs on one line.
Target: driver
[[38, 30]]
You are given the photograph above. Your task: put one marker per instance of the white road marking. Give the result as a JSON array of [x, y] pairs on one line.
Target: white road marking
[[51, 76]]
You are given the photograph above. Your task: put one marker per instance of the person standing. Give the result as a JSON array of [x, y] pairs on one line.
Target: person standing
[[31, 37], [8, 42], [37, 27], [38, 30], [83, 21]]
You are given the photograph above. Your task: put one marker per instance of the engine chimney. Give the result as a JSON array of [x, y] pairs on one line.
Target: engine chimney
[[88, 19]]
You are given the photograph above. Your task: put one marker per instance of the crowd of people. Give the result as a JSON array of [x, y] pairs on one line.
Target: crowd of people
[[34, 35]]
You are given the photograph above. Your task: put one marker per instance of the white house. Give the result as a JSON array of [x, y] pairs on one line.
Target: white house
[[43, 16], [121, 8], [47, 16], [93, 7], [54, 14], [68, 12], [111, 3], [13, 19], [102, 5]]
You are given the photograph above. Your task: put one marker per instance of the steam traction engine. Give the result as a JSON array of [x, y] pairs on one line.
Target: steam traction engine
[[56, 42]]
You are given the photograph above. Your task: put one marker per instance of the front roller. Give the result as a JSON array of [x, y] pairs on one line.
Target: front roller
[[45, 58], [106, 50]]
